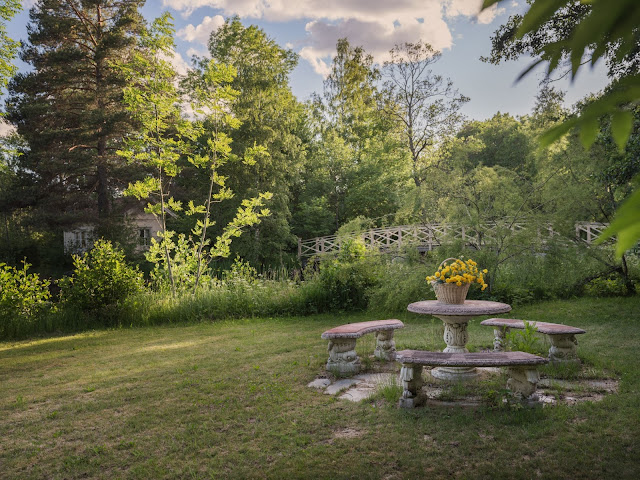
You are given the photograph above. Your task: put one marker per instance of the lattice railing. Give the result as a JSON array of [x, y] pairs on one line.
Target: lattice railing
[[429, 236]]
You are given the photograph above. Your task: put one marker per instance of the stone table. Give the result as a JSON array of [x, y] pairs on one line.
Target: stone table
[[455, 319]]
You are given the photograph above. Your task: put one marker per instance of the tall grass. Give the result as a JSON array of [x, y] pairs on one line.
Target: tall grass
[[369, 282]]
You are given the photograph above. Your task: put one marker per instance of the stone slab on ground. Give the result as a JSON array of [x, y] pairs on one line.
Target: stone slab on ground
[[320, 383], [363, 386], [340, 385], [368, 384]]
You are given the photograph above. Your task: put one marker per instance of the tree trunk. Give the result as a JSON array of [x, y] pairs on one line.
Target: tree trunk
[[104, 205]]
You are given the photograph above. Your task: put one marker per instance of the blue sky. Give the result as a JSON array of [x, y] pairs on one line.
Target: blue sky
[[312, 27]]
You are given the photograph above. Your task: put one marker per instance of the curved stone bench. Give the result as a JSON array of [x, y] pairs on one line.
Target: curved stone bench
[[522, 368], [343, 358], [562, 337]]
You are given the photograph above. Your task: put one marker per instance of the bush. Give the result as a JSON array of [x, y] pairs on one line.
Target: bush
[[345, 282], [101, 278], [24, 299], [611, 286], [525, 340], [401, 285]]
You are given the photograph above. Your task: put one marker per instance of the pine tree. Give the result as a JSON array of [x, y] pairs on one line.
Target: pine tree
[[69, 107]]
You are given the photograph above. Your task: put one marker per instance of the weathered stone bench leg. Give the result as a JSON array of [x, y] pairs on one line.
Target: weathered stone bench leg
[[563, 349], [343, 359], [385, 345], [500, 338], [411, 377], [523, 381]]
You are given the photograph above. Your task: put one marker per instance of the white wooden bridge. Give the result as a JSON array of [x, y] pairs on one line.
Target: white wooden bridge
[[429, 236]]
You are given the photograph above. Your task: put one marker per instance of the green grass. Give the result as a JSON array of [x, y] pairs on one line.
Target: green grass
[[229, 400]]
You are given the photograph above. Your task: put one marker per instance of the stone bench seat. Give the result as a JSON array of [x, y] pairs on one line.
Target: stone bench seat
[[343, 359], [522, 368], [562, 337]]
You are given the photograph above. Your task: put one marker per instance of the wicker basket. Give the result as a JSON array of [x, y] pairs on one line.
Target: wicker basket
[[450, 292]]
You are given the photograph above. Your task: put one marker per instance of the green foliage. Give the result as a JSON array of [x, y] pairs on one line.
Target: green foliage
[[346, 282], [179, 275], [101, 278], [24, 297], [611, 286], [8, 46], [504, 141], [271, 119], [603, 29], [164, 136], [356, 159], [402, 284], [68, 108], [525, 340]]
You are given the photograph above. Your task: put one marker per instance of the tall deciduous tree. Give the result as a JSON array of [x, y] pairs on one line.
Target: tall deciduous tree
[[424, 104], [565, 32], [165, 136], [505, 142], [272, 117], [356, 160], [69, 107]]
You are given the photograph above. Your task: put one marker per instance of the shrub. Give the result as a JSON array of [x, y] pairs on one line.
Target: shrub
[[611, 286], [345, 282], [525, 340], [24, 298], [400, 285], [101, 278]]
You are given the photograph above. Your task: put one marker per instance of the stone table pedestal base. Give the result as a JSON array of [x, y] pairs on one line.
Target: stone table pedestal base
[[456, 337]]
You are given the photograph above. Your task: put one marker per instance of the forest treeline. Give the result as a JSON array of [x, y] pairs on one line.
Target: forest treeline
[[379, 145], [233, 166]]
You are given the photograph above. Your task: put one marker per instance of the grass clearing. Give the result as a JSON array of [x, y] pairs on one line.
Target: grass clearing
[[229, 400]]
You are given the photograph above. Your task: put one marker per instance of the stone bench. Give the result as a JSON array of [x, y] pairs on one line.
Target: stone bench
[[522, 368], [562, 337], [343, 359]]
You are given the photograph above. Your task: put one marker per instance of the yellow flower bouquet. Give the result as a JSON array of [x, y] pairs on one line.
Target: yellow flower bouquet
[[452, 280]]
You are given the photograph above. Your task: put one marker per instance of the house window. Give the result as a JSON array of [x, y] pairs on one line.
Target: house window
[[144, 237], [81, 239]]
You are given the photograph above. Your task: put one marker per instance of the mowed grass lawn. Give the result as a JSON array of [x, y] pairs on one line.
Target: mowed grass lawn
[[229, 400]]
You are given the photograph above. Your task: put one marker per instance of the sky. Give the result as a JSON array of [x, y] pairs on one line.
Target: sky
[[311, 28]]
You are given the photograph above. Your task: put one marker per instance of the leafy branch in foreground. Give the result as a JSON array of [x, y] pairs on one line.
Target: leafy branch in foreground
[[153, 100], [165, 137], [604, 29], [212, 97]]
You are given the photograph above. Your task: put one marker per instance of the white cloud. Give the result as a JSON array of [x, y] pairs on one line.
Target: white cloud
[[179, 64], [202, 32], [487, 16], [377, 25], [6, 128], [198, 53]]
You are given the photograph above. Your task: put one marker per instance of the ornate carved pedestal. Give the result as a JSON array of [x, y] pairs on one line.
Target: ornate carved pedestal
[[563, 349], [523, 381], [343, 359], [411, 377], [455, 319], [385, 345], [500, 338], [456, 337]]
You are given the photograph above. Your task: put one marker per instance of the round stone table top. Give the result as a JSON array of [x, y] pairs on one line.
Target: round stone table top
[[469, 307]]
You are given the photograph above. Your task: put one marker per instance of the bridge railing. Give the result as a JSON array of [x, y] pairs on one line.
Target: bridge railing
[[430, 236]]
